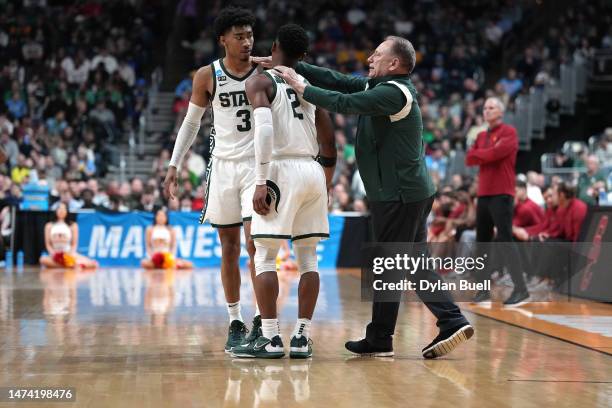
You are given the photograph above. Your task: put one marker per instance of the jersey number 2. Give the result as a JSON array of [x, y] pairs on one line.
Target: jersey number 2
[[295, 103], [245, 115]]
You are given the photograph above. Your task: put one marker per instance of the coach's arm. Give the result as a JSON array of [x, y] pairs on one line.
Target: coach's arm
[[383, 99], [322, 77]]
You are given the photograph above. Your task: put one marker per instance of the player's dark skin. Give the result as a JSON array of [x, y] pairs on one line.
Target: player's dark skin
[[238, 43], [260, 90]]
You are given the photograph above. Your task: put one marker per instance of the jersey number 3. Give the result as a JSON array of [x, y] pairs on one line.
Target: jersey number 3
[[245, 115], [295, 103]]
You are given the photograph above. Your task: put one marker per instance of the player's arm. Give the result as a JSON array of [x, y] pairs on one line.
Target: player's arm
[[327, 144], [200, 96], [259, 89]]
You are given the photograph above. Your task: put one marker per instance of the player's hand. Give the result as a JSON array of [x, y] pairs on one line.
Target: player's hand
[[265, 62], [171, 183], [292, 78], [542, 236], [260, 206]]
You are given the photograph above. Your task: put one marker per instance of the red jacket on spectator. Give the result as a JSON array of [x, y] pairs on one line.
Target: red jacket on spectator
[[549, 225], [495, 152], [527, 214], [571, 217]]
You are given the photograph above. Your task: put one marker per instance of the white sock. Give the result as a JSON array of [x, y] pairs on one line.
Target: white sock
[[256, 310], [302, 328], [270, 328], [234, 311]]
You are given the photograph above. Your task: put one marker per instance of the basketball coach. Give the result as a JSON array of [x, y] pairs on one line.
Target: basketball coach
[[495, 152], [390, 156]]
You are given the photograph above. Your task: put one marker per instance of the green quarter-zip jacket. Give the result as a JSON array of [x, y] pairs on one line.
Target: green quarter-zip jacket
[[390, 151]]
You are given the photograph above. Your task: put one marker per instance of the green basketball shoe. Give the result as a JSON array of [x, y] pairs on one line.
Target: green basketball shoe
[[255, 331], [236, 335], [300, 347], [262, 347]]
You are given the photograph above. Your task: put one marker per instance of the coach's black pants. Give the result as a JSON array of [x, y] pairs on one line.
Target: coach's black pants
[[497, 211], [406, 222]]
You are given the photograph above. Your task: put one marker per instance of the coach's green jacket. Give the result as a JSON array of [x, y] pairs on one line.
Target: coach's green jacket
[[390, 150]]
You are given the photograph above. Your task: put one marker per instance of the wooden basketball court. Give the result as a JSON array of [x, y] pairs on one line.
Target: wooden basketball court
[[129, 338]]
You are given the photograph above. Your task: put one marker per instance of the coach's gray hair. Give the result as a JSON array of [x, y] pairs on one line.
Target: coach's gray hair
[[498, 102], [404, 50]]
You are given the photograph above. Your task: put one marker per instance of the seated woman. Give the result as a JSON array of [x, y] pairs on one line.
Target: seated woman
[[161, 245], [61, 238]]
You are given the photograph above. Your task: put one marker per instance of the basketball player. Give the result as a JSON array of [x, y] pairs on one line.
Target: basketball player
[[290, 200], [229, 175]]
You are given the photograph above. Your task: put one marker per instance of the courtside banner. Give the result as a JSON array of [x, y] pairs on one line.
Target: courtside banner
[[119, 239]]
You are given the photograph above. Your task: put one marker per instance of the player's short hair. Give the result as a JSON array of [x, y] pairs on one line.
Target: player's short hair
[[232, 17], [521, 184], [293, 40], [567, 190], [403, 49]]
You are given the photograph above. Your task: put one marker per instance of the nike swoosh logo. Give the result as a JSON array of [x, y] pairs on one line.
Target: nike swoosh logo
[[262, 163], [223, 84]]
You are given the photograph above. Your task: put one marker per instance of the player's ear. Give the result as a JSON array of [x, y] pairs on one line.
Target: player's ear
[[222, 40], [273, 46]]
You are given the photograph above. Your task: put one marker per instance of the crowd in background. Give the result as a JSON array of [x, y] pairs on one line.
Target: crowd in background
[[71, 84], [75, 80]]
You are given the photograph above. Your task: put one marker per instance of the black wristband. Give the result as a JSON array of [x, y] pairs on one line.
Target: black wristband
[[326, 161]]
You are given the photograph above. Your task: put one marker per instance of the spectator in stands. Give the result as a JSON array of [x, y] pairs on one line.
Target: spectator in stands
[[11, 148], [512, 85], [603, 151], [535, 182], [592, 183]]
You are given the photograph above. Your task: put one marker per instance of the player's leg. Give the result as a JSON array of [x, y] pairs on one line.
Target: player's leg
[[250, 244], [230, 278], [308, 291], [310, 225], [269, 344], [224, 213], [247, 189], [267, 232]]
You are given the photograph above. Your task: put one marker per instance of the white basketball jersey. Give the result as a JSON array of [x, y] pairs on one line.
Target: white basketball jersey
[[295, 133], [233, 127]]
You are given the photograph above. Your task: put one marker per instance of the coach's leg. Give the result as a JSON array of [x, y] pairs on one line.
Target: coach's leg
[[391, 222], [440, 302], [502, 211]]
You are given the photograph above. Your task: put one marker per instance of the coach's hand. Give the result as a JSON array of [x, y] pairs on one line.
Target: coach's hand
[[171, 183], [260, 206], [292, 78], [265, 62]]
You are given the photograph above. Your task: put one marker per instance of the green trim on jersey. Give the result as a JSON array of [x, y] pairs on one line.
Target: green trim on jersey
[[212, 95], [273, 82], [235, 78]]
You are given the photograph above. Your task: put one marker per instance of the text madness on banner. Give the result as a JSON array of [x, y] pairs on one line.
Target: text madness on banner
[[119, 239]]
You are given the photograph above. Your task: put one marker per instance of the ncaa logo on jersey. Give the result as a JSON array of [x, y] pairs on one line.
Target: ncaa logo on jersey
[[273, 197], [220, 76]]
